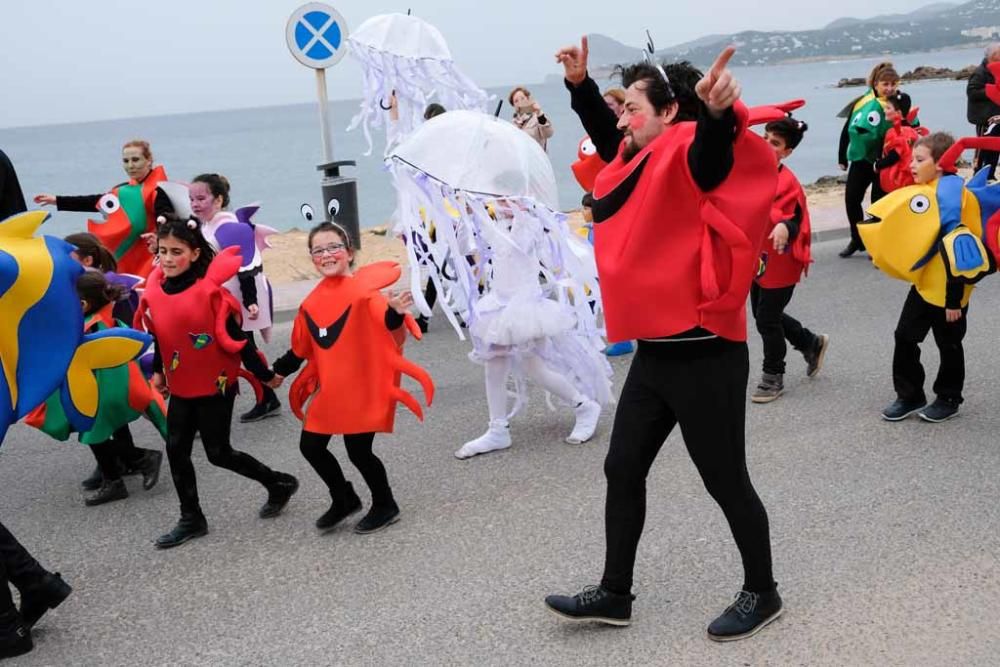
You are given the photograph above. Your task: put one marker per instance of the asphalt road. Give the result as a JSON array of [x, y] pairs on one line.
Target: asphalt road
[[885, 535]]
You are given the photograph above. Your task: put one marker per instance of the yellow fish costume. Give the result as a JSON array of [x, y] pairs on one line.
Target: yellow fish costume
[[932, 233]]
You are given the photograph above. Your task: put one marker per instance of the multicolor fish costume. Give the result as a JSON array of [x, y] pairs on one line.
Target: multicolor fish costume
[[352, 380], [944, 230], [43, 347], [129, 213], [124, 395]]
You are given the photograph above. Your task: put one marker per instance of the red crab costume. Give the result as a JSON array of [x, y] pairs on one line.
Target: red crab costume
[[588, 164], [354, 363], [900, 138], [705, 244]]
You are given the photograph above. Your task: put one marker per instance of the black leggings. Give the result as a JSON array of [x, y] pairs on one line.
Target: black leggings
[[268, 395], [359, 449], [775, 325], [211, 416], [860, 175], [119, 451], [700, 385], [17, 567]]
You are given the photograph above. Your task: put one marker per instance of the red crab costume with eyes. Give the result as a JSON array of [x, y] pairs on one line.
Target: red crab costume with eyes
[[661, 240], [130, 214], [199, 356], [351, 381], [787, 268], [900, 138], [588, 164]]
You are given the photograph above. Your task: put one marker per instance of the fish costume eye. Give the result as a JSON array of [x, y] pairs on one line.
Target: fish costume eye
[[920, 204], [108, 204], [874, 119], [307, 213], [588, 148], [333, 207]]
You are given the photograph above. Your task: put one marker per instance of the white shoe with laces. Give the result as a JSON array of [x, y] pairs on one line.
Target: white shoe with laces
[[587, 415], [497, 437]]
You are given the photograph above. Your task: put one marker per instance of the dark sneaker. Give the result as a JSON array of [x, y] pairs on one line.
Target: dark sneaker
[[814, 356], [423, 323], [93, 483], [47, 594], [15, 637], [941, 410], [901, 409], [593, 603], [278, 495], [771, 387], [149, 466], [746, 616], [188, 528], [851, 248], [340, 510], [378, 517], [108, 493], [269, 407]]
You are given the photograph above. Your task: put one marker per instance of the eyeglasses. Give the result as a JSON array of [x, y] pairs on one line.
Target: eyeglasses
[[332, 249]]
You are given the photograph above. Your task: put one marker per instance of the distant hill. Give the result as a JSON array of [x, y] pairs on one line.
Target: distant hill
[[935, 26]]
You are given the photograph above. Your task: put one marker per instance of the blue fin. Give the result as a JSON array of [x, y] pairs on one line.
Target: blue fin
[[949, 201], [966, 253]]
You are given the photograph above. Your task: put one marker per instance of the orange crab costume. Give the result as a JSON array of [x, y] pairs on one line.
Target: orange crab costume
[[900, 139], [351, 383], [130, 214]]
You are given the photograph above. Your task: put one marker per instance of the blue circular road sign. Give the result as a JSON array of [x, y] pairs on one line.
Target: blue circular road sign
[[317, 35]]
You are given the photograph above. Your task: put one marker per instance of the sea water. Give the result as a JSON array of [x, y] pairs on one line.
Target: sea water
[[269, 154]]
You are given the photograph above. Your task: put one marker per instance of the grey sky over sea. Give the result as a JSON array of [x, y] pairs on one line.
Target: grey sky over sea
[[67, 61]]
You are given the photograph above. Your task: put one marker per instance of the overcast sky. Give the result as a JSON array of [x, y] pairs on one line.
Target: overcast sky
[[77, 60]]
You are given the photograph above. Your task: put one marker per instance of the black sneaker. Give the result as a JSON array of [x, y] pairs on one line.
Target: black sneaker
[[340, 509], [278, 495], [15, 637], [423, 323], [746, 616], [770, 388], [851, 248], [93, 483], [941, 410], [269, 407], [188, 528], [149, 466], [378, 517], [108, 493], [593, 603], [814, 356], [901, 409], [49, 593]]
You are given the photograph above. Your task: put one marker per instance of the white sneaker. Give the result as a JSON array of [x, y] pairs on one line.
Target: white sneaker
[[587, 415], [496, 437]]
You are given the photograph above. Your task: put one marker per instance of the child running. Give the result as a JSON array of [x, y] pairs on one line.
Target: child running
[[352, 337], [200, 344], [782, 266]]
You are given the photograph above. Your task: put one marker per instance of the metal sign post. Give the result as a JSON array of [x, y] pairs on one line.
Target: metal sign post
[[316, 35]]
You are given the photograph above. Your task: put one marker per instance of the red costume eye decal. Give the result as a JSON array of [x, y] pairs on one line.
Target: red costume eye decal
[[587, 148], [108, 204]]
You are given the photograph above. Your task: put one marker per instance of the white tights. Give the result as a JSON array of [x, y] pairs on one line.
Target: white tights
[[497, 370]]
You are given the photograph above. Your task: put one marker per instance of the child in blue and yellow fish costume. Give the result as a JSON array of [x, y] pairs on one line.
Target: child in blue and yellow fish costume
[[935, 234]]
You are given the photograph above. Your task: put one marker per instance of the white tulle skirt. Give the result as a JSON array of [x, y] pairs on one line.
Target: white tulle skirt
[[522, 319]]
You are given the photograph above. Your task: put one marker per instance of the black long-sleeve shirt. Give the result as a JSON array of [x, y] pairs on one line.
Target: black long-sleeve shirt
[[248, 354], [290, 362], [710, 157], [88, 203]]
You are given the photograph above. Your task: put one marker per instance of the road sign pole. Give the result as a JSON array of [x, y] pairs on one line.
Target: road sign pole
[[324, 116]]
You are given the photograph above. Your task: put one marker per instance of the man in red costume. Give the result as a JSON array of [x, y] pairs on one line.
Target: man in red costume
[[680, 215]]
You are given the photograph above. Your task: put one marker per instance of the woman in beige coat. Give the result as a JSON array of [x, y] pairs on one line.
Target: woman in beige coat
[[529, 117]]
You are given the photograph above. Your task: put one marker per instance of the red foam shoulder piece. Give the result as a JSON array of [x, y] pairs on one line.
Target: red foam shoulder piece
[[770, 112]]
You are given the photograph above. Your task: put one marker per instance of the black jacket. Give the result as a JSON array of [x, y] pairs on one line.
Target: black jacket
[[11, 197], [980, 108]]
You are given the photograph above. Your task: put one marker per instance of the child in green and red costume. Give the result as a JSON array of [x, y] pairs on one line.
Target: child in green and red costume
[[897, 148], [861, 145], [124, 396]]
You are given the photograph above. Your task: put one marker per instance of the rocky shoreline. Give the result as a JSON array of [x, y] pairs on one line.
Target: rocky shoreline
[[922, 73]]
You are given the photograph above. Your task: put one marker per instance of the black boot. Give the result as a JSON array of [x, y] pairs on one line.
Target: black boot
[[108, 493], [189, 527], [593, 603], [746, 616], [278, 495], [49, 593], [93, 483], [342, 507], [15, 636], [149, 465], [378, 517]]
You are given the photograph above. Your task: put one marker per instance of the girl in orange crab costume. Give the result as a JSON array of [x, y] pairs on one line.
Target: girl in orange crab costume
[[352, 336]]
